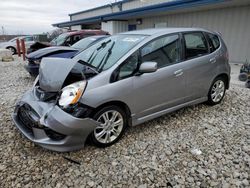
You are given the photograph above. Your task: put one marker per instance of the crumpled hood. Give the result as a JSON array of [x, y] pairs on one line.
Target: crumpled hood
[[47, 51], [53, 72]]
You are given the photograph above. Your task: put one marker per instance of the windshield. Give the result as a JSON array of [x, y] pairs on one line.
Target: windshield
[[84, 43], [60, 39], [14, 39], [106, 53]]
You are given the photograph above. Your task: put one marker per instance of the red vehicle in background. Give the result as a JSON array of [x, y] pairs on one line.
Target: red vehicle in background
[[67, 39]]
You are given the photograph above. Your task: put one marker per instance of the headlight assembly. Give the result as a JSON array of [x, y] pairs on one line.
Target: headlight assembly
[[72, 93], [37, 62]]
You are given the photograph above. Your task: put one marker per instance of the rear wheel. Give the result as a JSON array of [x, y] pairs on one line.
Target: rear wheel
[[248, 83], [243, 77], [12, 49], [113, 121], [217, 91]]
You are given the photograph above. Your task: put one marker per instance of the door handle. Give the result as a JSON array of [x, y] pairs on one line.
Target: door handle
[[212, 60], [178, 72]]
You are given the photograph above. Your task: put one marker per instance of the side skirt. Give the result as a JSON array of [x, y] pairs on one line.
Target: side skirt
[[168, 110]]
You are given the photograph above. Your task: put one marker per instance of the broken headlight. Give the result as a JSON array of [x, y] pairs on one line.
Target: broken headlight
[[37, 62], [72, 93]]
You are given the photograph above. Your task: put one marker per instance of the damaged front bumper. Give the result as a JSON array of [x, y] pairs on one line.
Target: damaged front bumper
[[49, 126]]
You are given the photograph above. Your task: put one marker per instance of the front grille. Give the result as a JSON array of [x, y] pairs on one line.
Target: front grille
[[30, 119], [54, 135], [26, 120]]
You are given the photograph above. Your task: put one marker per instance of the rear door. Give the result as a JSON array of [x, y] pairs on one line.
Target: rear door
[[199, 64]]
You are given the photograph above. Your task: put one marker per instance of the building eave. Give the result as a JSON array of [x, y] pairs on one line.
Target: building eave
[[168, 6], [100, 7]]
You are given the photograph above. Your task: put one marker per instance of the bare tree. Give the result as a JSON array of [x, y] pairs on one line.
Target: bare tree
[[55, 33]]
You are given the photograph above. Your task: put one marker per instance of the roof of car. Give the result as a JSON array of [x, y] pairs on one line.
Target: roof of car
[[98, 36], [162, 30]]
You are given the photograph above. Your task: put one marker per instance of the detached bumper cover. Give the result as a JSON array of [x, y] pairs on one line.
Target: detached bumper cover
[[49, 126]]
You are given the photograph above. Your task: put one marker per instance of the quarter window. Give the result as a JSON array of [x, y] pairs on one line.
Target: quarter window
[[195, 45], [129, 67], [215, 42], [164, 51]]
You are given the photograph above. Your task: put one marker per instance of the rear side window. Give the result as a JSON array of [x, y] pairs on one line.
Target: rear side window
[[165, 51], [195, 45], [214, 40]]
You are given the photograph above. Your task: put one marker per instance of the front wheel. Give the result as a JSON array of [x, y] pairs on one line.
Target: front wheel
[[12, 49], [113, 121], [217, 91]]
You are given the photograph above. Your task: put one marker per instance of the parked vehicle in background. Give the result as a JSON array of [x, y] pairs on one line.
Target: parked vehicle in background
[[67, 39], [11, 44], [125, 79], [34, 58]]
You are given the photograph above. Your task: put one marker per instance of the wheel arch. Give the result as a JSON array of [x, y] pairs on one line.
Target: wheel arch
[[15, 50], [226, 77], [10, 47], [120, 104]]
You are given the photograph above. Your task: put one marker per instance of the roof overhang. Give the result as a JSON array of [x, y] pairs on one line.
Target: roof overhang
[[172, 6]]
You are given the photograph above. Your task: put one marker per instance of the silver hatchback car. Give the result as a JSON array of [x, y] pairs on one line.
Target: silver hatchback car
[[122, 81]]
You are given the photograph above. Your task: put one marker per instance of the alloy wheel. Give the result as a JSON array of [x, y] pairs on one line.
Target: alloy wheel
[[13, 51], [111, 126], [218, 91]]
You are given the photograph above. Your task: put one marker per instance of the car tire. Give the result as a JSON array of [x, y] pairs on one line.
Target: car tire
[[12, 49], [243, 77], [110, 131], [247, 84], [217, 91]]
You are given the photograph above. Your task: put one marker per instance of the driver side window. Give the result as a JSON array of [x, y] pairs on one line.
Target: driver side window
[[129, 68], [164, 51]]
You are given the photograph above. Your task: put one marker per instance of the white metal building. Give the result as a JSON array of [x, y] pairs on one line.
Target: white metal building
[[229, 17]]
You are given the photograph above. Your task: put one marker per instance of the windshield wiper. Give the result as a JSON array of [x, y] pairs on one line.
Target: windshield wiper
[[105, 58], [103, 45], [89, 65]]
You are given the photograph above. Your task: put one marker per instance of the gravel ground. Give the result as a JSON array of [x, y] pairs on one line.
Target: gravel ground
[[198, 146]]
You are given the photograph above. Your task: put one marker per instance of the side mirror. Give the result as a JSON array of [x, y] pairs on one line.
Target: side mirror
[[148, 67]]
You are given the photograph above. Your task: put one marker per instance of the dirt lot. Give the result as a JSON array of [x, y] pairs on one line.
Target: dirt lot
[[198, 146]]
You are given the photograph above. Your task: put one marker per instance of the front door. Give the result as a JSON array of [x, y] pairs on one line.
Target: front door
[[166, 87]]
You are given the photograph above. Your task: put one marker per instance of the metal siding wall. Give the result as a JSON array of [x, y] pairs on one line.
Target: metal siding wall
[[107, 26], [114, 27], [89, 14], [232, 23], [125, 6], [120, 26], [142, 3], [76, 27]]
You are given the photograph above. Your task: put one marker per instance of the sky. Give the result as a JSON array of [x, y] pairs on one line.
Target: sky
[[36, 16]]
